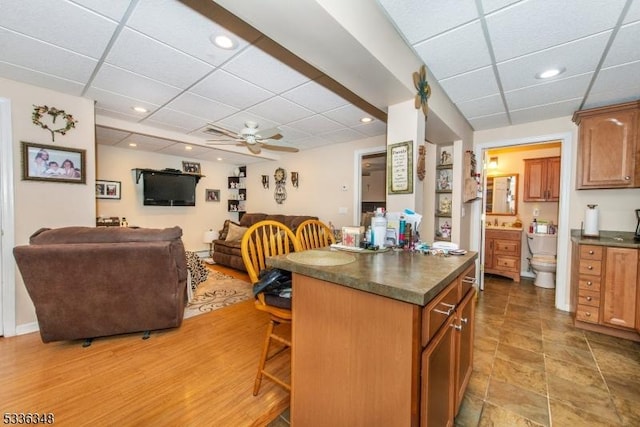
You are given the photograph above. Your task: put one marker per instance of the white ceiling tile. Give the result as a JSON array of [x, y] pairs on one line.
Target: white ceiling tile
[[472, 85], [114, 9], [290, 134], [264, 70], [482, 106], [545, 112], [228, 157], [37, 78], [626, 46], [528, 26], [489, 122], [312, 142], [230, 90], [118, 80], [115, 114], [120, 103], [62, 24], [142, 55], [110, 136], [420, 20], [342, 135], [32, 54], [145, 143], [177, 119], [198, 106], [180, 150], [548, 93], [490, 6], [521, 72], [373, 128], [280, 110], [349, 115], [316, 125], [177, 25], [315, 97], [236, 122], [455, 52], [634, 12], [608, 90]]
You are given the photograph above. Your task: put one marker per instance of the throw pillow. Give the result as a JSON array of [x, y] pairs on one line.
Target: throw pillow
[[235, 232], [225, 229]]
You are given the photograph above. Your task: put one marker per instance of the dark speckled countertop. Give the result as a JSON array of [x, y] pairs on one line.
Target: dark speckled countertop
[[410, 277], [621, 239]]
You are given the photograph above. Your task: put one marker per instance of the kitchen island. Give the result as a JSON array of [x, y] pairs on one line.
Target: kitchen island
[[379, 338]]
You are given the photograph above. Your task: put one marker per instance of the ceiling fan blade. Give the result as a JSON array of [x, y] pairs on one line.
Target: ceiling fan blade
[[223, 142], [279, 148], [254, 148], [218, 130], [273, 133]]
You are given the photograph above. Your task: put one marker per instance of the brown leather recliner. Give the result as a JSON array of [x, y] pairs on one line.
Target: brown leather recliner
[[90, 282]]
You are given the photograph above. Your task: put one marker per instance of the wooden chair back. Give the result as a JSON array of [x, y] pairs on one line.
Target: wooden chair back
[[313, 234], [264, 239]]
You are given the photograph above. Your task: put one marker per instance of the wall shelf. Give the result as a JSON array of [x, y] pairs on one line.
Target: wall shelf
[[140, 171]]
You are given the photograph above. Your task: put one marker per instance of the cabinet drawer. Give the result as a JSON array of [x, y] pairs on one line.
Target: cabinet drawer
[[591, 252], [507, 247], [436, 313], [589, 283], [590, 298], [590, 267], [507, 263], [585, 313]]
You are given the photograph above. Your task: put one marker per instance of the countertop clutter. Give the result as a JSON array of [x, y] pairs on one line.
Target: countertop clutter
[[620, 239], [404, 276]]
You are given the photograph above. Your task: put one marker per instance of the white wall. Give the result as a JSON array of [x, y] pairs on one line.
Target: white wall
[[374, 187], [116, 164], [48, 204]]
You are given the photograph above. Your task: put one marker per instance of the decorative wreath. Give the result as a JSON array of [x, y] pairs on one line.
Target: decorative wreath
[[424, 90], [40, 110]]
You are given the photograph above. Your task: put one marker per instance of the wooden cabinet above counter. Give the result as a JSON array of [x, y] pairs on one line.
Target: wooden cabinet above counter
[[609, 147]]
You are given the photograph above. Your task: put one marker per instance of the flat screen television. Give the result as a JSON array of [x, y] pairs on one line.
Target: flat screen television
[[168, 189]]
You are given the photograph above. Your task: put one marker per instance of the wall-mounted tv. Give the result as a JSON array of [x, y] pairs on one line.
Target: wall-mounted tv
[[168, 189]]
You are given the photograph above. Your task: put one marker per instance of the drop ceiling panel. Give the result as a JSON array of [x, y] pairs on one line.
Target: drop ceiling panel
[[199, 106], [114, 9], [29, 53], [115, 102], [545, 112], [316, 125], [62, 24], [37, 78], [342, 135], [280, 110], [424, 19], [110, 136], [176, 120], [264, 70], [634, 12], [227, 157], [142, 55], [475, 84], [374, 128], [458, 51], [482, 106], [236, 122], [181, 150], [347, 115], [315, 97], [492, 5], [608, 88], [626, 46], [230, 90], [521, 72], [145, 143], [489, 122], [529, 26], [548, 93], [175, 24]]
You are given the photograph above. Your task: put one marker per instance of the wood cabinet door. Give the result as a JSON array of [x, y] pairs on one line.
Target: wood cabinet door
[[553, 179], [534, 180], [607, 150], [438, 379], [488, 252], [620, 287], [464, 326]]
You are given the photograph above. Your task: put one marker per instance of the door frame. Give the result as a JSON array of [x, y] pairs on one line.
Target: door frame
[[7, 237], [563, 271]]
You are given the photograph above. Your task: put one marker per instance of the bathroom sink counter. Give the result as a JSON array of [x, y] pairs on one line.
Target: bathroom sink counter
[[620, 239], [503, 227]]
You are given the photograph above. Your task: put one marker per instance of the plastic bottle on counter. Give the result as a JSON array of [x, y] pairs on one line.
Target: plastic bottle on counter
[[401, 231], [379, 228]]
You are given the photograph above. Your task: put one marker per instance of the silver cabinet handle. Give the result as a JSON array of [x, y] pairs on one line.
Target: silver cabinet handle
[[469, 279], [464, 320], [456, 327], [446, 313]]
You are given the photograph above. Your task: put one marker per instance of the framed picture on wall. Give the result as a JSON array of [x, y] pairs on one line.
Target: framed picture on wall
[[191, 167], [53, 163], [212, 195], [107, 189]]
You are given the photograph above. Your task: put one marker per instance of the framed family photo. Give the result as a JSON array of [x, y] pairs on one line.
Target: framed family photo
[[191, 167], [212, 195], [107, 189], [53, 163]]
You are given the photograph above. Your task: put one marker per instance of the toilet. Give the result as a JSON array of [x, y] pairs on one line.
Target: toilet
[[543, 248]]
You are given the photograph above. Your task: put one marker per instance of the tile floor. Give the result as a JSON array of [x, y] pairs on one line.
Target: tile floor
[[533, 368]]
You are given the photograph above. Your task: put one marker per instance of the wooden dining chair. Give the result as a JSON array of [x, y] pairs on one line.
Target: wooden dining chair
[[313, 233], [261, 240]]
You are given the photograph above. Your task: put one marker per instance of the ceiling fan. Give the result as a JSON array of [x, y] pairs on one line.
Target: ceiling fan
[[249, 136]]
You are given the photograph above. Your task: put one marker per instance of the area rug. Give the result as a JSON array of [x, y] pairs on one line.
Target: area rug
[[219, 290]]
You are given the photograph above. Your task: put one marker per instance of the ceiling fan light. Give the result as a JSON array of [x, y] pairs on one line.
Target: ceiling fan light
[[551, 72], [223, 41]]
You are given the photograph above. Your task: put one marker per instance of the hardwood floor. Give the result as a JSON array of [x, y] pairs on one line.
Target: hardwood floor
[[199, 374]]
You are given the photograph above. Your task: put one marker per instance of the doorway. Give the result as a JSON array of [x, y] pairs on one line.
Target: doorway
[[370, 182], [567, 170]]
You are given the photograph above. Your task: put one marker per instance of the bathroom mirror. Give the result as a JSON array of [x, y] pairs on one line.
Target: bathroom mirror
[[502, 194]]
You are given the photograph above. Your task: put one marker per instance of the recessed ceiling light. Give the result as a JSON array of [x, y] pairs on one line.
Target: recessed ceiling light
[[223, 41], [219, 159], [188, 147], [552, 72], [140, 109], [133, 144], [366, 120]]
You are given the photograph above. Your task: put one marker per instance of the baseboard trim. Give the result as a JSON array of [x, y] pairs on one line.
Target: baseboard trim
[[27, 328]]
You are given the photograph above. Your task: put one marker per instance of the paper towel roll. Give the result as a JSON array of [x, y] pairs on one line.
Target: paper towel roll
[[591, 221]]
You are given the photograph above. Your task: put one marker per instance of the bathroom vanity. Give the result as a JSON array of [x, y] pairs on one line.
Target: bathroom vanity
[[605, 283], [503, 249]]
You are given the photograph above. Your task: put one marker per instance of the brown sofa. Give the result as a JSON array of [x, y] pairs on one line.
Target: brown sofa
[[227, 252], [90, 282]]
